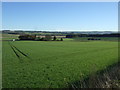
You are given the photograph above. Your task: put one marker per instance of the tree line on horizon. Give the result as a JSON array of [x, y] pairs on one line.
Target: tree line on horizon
[[33, 37]]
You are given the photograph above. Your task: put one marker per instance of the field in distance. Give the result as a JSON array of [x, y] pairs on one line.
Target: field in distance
[[52, 64]]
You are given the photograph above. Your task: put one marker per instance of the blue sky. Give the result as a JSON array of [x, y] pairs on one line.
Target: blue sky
[[63, 16]]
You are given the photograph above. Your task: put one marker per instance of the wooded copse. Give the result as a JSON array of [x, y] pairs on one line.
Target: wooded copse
[[39, 38]]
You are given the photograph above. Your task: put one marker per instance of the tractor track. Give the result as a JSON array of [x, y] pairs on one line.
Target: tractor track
[[21, 52], [16, 49]]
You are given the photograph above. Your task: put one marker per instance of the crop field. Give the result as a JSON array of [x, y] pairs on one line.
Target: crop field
[[54, 64]]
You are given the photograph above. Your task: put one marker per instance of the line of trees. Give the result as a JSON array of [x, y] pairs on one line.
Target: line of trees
[[33, 37], [92, 35], [27, 37]]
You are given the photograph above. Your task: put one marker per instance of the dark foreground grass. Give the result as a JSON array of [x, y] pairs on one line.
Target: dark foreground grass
[[107, 78]]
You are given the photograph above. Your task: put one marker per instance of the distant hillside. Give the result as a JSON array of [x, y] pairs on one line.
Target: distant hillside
[[57, 32]]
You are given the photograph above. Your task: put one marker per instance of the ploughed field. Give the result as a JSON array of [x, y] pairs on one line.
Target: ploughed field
[[54, 64]]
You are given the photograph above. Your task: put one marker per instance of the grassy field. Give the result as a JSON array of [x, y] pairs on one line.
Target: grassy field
[[45, 64], [9, 36]]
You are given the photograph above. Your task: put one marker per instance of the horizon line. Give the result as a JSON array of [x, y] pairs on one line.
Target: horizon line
[[59, 30]]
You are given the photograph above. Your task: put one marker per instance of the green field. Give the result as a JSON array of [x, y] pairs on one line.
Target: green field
[[54, 64]]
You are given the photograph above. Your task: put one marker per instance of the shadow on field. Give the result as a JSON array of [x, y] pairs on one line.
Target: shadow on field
[[108, 78]]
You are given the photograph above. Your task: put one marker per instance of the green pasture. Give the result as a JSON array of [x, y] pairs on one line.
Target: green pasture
[[54, 64], [9, 36]]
